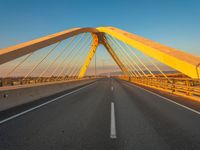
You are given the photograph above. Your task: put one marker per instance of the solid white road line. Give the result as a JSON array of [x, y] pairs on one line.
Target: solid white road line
[[112, 122], [112, 88], [181, 105], [41, 105]]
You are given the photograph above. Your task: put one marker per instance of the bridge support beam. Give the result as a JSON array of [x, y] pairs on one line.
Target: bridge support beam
[[16, 51], [100, 39], [186, 63], [90, 55], [115, 57]]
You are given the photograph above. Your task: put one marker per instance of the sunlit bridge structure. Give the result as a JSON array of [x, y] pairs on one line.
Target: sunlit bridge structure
[[67, 55], [52, 95]]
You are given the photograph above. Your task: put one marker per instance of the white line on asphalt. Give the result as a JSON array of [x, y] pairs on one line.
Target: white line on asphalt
[[188, 108], [112, 88], [41, 105], [112, 122]]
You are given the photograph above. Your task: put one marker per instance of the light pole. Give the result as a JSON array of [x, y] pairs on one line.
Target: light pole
[[95, 65], [102, 65]]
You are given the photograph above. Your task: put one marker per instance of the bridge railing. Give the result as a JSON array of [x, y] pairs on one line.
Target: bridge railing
[[35, 80], [181, 86]]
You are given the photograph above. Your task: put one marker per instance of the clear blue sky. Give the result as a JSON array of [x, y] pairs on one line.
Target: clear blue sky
[[174, 23]]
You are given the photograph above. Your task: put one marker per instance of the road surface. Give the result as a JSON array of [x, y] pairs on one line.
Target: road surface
[[108, 114]]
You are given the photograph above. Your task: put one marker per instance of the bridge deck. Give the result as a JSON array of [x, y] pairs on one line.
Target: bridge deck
[[83, 121]]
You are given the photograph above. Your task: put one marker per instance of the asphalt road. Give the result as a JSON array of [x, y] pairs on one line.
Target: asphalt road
[[84, 120]]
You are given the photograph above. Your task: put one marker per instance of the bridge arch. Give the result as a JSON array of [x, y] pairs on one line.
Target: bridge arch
[[13, 52], [186, 63], [181, 61]]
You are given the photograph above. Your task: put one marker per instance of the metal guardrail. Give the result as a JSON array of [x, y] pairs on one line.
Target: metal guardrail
[[35, 80], [184, 86]]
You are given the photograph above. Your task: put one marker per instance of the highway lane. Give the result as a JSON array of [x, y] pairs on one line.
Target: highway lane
[[146, 121], [83, 121]]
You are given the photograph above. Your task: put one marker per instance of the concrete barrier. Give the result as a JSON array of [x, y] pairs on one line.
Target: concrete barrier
[[13, 97]]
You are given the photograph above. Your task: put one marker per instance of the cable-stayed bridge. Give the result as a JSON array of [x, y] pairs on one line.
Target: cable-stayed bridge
[[47, 92]]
